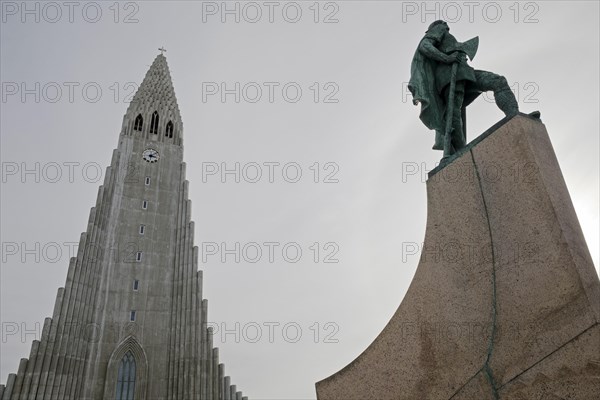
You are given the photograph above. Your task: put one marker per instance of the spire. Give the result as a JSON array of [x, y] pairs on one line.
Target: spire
[[155, 94]]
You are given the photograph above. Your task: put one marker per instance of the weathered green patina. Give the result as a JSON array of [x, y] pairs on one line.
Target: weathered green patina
[[444, 84]]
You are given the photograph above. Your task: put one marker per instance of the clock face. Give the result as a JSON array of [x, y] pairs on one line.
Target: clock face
[[150, 155]]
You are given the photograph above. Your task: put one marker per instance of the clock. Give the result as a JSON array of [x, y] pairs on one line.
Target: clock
[[150, 155]]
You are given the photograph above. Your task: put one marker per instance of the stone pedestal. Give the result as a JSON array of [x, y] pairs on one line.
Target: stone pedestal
[[505, 303]]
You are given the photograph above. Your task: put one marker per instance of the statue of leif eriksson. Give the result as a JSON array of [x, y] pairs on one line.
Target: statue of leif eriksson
[[444, 84]]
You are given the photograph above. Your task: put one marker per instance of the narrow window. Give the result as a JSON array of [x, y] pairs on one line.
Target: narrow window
[[132, 316], [139, 122], [126, 377], [147, 181], [144, 205], [169, 130], [138, 256], [154, 123], [142, 229], [136, 285]]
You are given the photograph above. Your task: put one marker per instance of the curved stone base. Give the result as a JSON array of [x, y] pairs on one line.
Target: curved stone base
[[505, 303]]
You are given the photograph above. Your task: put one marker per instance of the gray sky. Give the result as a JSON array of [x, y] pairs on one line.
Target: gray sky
[[362, 131]]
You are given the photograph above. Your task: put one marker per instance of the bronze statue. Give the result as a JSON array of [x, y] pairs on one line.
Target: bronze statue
[[444, 84]]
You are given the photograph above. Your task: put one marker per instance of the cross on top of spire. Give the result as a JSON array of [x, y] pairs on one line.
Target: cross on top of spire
[[162, 50]]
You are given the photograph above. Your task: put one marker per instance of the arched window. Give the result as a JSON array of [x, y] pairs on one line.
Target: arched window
[[154, 123], [126, 378], [139, 122], [169, 130]]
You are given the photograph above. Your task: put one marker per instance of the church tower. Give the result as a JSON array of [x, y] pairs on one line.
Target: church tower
[[131, 322]]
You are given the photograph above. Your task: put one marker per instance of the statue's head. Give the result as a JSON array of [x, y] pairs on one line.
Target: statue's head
[[439, 24], [437, 30]]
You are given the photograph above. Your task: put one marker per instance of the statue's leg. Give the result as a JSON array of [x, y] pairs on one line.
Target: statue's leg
[[505, 99], [439, 140], [458, 137]]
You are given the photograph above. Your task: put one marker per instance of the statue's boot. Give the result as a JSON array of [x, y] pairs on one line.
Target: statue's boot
[[506, 101]]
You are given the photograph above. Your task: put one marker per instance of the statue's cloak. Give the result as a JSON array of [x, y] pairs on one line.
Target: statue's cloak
[[422, 86]]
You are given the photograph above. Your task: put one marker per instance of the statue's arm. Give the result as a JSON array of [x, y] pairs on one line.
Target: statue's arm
[[428, 49]]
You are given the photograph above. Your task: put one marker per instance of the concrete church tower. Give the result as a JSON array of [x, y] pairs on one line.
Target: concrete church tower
[[131, 322]]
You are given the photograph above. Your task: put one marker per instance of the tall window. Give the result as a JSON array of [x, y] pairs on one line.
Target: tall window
[[126, 378], [139, 122], [154, 123], [169, 130]]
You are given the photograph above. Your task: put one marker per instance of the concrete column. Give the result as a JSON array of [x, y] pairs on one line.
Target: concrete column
[[215, 366], [221, 382], [187, 309], [90, 283], [50, 351], [19, 379], [204, 352], [98, 221], [59, 359], [83, 305], [74, 320], [196, 336], [195, 266], [179, 371], [72, 367], [33, 355], [209, 363], [10, 384], [174, 341], [35, 381], [227, 387], [192, 314]]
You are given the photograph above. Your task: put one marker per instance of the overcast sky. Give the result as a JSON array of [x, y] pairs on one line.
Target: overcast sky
[[352, 122]]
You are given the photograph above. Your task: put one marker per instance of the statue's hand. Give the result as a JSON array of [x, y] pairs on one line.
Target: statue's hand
[[454, 57]]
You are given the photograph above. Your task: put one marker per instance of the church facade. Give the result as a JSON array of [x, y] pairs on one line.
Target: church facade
[[131, 322]]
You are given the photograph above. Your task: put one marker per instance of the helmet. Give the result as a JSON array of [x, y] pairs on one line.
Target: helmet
[[434, 23]]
